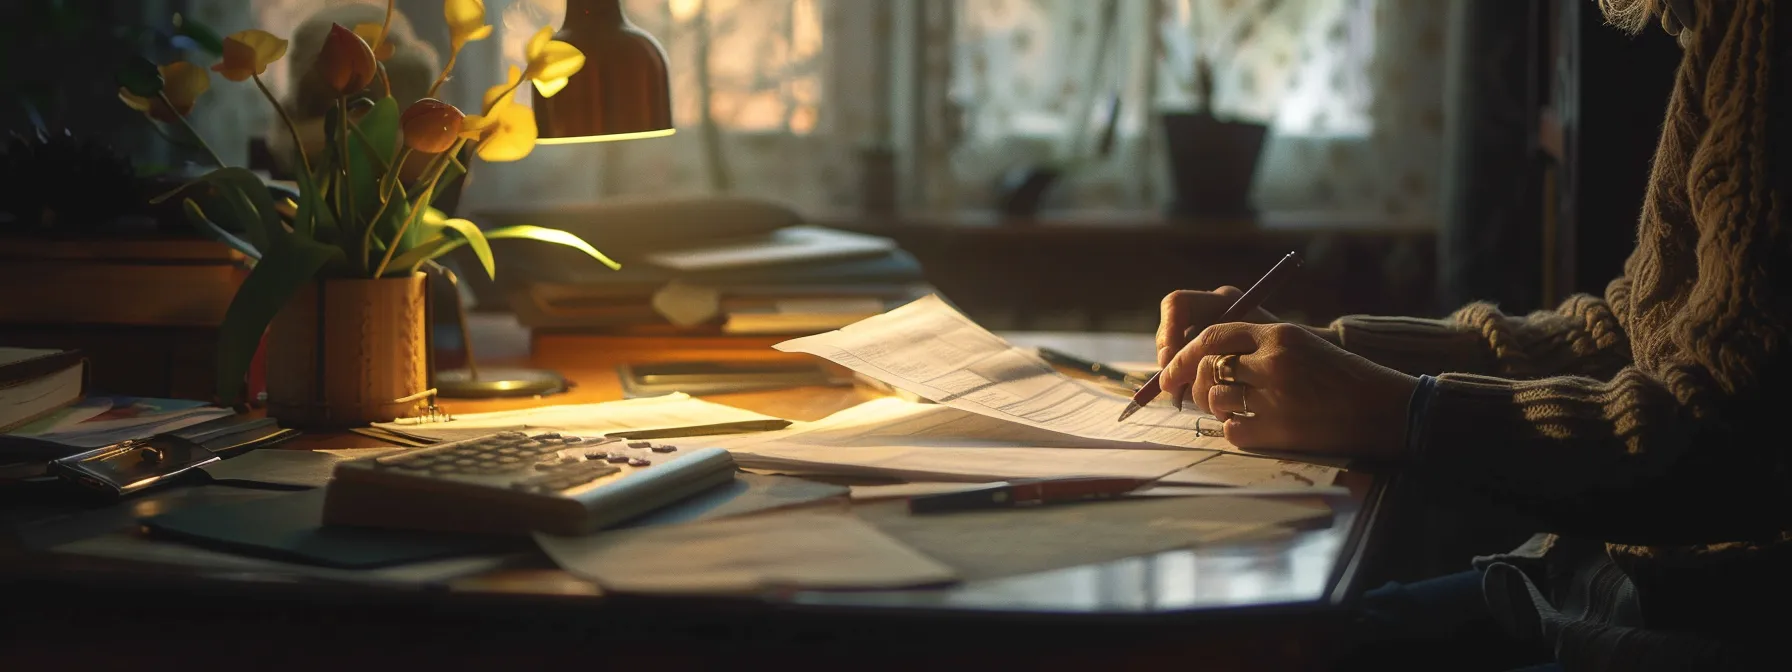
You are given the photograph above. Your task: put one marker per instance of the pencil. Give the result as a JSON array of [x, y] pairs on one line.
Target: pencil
[[1252, 298]]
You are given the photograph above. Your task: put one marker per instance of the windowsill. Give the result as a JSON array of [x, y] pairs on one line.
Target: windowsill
[[1124, 222]]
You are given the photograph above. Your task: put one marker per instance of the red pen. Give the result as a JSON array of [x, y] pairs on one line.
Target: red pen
[[1252, 298]]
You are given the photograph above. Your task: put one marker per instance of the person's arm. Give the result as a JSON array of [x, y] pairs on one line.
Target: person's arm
[[1689, 455], [1580, 337]]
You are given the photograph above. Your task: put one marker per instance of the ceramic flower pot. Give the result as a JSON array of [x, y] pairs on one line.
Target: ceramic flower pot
[[1213, 164], [343, 351]]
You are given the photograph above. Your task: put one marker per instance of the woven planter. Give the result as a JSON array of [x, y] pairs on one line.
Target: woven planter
[[343, 352]]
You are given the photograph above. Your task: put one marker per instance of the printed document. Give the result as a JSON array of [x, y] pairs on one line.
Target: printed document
[[895, 438], [932, 350]]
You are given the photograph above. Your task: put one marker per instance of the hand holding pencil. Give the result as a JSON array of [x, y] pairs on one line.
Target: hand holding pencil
[[1275, 385]]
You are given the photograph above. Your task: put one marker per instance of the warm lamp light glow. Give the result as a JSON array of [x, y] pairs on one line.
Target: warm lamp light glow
[[612, 137]]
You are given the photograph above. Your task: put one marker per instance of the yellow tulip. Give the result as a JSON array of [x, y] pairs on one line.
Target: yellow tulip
[[182, 82], [512, 135], [248, 53], [430, 126], [466, 22], [370, 32], [497, 99], [551, 62], [346, 63]]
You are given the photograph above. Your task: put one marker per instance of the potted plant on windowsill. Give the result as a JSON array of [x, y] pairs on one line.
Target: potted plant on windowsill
[[336, 284], [1213, 159]]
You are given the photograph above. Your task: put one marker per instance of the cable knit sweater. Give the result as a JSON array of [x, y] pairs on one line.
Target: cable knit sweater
[[1653, 419]]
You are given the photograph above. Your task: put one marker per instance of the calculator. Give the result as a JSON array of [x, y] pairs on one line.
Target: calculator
[[513, 483]]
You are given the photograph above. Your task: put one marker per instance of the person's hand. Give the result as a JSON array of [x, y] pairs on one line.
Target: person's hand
[[1282, 387], [1185, 313]]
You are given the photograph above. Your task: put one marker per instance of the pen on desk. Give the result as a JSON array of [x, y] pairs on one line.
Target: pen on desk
[[701, 430], [1025, 493], [1252, 298], [1059, 358]]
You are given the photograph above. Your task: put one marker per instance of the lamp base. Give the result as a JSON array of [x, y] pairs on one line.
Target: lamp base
[[497, 382]]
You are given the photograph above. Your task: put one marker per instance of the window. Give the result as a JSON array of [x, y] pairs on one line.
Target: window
[[776, 98]]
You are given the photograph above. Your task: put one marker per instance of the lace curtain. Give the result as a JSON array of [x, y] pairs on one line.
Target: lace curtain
[[777, 98]]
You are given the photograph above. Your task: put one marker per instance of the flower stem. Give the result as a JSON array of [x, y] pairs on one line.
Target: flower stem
[[449, 67], [438, 167], [386, 182], [348, 179], [190, 130], [298, 143]]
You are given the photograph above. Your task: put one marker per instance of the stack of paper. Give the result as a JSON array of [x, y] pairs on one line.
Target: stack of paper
[[100, 421], [936, 352], [928, 442], [676, 411]]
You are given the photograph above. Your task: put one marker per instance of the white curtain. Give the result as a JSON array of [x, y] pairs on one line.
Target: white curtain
[[776, 98]]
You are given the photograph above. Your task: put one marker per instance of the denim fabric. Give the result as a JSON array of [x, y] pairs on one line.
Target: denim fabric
[[1436, 624]]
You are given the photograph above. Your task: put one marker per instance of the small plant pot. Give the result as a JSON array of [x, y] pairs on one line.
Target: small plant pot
[[343, 351], [1213, 164]]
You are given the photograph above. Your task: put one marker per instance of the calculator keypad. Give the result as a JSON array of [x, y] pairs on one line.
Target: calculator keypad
[[534, 459]]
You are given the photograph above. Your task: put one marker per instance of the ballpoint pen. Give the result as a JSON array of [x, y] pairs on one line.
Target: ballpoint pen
[[1252, 298], [1031, 492]]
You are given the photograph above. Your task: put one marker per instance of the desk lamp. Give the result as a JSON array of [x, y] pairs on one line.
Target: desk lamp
[[622, 93]]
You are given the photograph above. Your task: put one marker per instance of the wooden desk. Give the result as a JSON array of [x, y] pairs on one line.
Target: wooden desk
[[1263, 605]]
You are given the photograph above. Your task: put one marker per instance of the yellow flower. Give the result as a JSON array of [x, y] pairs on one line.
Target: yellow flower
[[430, 126], [345, 63], [512, 135], [551, 62], [182, 82], [466, 21], [370, 32], [497, 99], [248, 53]]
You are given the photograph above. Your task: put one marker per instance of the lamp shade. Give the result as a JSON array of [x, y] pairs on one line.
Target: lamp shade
[[622, 93]]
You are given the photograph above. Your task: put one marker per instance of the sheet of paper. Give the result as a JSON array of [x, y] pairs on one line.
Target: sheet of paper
[[1252, 471], [750, 554], [676, 410], [932, 350], [929, 442], [128, 418], [1006, 542]]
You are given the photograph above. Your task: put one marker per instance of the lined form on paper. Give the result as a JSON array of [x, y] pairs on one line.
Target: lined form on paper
[[891, 437], [930, 349]]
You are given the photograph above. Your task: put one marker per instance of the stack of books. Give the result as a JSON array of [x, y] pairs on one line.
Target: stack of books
[[704, 267]]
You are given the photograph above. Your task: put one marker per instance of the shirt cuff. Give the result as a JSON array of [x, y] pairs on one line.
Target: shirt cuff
[[1417, 413]]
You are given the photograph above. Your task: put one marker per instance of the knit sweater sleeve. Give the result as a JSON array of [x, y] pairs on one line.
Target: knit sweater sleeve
[[1686, 445], [1581, 336]]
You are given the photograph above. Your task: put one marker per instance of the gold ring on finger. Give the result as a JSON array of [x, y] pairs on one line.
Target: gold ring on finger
[[1222, 369], [1244, 404]]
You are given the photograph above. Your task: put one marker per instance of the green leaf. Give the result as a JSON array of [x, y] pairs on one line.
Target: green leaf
[[430, 249], [200, 34], [195, 213], [470, 232], [254, 205], [555, 236], [380, 129], [270, 285], [141, 77]]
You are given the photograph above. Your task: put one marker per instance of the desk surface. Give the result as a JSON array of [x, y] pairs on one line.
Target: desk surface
[[1309, 569]]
